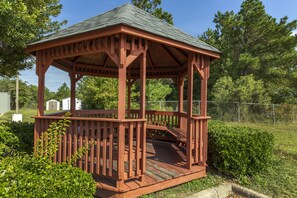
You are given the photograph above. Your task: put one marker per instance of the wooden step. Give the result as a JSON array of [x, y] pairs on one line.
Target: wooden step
[[179, 133]]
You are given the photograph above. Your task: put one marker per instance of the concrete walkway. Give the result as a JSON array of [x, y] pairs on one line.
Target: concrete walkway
[[226, 189]]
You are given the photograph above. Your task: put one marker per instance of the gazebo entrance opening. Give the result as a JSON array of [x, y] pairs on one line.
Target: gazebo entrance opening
[[122, 160]]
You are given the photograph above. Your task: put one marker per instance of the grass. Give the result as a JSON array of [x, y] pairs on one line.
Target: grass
[[27, 115], [280, 180]]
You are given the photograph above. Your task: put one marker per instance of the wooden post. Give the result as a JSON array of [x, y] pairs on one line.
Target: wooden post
[[180, 86], [17, 94], [142, 85], [42, 64], [142, 111], [121, 112], [122, 80], [190, 110], [203, 107], [41, 68], [72, 93], [129, 85], [129, 100]]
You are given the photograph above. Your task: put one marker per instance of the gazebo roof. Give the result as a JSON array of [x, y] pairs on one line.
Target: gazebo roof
[[131, 16]]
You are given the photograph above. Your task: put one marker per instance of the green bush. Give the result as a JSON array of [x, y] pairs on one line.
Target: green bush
[[9, 143], [238, 151], [25, 133], [24, 176]]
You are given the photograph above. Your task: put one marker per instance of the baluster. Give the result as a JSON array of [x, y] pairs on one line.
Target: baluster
[[80, 132], [104, 148], [98, 142], [137, 149], [75, 138], [92, 148], [201, 141], [130, 149], [111, 132]]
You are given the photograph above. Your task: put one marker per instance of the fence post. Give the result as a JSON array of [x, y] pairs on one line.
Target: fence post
[[238, 112]]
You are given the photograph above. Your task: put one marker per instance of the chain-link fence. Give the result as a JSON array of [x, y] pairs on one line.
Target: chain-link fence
[[235, 111]]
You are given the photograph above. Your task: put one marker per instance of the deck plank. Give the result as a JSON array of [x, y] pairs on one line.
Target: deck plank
[[166, 167]]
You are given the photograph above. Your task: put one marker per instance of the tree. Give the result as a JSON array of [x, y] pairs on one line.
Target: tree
[[24, 21], [243, 90], [62, 92], [152, 7], [27, 93], [98, 92], [254, 42]]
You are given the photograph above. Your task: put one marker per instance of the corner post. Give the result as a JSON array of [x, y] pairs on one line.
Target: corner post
[[203, 106], [180, 84], [72, 93], [121, 111], [42, 64], [142, 108], [190, 110]]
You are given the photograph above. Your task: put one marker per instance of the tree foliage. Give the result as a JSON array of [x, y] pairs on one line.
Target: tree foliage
[[254, 42], [98, 92], [244, 89], [27, 93], [152, 7], [62, 92], [23, 21]]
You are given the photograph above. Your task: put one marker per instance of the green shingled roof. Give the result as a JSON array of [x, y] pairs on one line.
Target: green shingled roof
[[131, 16]]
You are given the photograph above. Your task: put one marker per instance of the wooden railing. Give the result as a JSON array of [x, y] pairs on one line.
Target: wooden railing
[[118, 149], [134, 132], [158, 118], [97, 113], [198, 146]]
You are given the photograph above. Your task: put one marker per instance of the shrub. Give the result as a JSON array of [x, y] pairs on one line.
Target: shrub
[[26, 176], [25, 133], [239, 151], [9, 143]]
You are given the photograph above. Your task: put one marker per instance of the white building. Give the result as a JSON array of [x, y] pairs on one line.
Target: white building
[[66, 104], [4, 102], [52, 105]]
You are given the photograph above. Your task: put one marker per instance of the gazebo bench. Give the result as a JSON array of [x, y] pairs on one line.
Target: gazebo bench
[[178, 133]]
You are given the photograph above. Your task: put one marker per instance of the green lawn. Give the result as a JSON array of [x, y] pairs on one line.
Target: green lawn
[[280, 180], [27, 115]]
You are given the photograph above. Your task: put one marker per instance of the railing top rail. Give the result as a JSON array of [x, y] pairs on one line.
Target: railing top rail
[[90, 119], [57, 113], [201, 118], [95, 111]]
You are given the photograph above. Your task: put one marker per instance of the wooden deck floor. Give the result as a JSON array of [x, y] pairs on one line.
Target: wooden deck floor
[[166, 167]]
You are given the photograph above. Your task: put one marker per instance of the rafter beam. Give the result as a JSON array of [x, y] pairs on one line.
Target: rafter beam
[[171, 55], [150, 59]]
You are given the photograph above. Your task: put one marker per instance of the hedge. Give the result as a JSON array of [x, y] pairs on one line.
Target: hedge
[[9, 143], [238, 151], [25, 133], [26, 176]]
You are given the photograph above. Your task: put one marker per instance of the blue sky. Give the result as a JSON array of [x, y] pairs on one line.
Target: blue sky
[[191, 16]]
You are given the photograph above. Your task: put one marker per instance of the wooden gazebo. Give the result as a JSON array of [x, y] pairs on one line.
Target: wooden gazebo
[[129, 44]]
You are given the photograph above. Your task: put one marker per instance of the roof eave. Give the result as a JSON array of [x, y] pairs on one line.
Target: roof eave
[[116, 29]]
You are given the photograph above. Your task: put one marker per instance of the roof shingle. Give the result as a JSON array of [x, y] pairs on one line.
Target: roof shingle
[[134, 17]]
